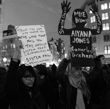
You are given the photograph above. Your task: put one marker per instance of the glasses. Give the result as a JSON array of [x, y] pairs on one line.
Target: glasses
[[31, 78]]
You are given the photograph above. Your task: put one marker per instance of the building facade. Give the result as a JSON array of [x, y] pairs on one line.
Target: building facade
[[101, 42]]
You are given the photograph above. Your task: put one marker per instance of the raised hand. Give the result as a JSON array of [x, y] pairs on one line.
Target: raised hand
[[65, 5], [94, 8], [69, 52], [17, 54], [89, 2]]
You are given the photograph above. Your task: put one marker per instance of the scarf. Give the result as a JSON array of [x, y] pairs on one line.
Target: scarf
[[79, 82]]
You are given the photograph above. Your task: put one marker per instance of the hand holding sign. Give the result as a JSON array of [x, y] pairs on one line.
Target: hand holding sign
[[65, 6], [94, 8], [69, 53], [89, 2], [35, 46], [17, 54]]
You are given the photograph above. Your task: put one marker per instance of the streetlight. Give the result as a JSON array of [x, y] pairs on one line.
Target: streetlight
[[4, 59]]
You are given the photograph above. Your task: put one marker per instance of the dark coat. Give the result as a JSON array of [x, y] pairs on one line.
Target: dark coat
[[106, 100], [17, 95], [3, 72], [106, 104], [55, 89], [98, 86], [68, 93], [48, 88]]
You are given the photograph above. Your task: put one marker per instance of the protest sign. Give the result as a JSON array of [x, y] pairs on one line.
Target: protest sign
[[35, 46], [81, 48], [80, 36]]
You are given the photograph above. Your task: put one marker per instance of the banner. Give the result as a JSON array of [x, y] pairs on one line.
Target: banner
[[35, 46]]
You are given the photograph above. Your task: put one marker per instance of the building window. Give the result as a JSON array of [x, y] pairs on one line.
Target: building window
[[6, 46], [109, 4], [92, 19], [107, 37], [105, 16], [104, 6], [95, 48], [106, 26], [13, 46], [93, 27], [90, 12], [3, 47], [107, 49], [93, 39]]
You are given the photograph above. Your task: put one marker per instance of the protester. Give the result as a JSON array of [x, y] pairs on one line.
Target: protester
[[20, 88], [55, 84], [46, 87], [71, 82], [3, 103], [98, 84], [105, 66]]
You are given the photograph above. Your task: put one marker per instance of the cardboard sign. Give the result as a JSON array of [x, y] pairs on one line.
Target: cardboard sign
[[35, 47], [80, 36], [81, 48]]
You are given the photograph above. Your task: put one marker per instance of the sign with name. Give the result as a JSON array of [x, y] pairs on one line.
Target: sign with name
[[80, 35], [81, 48], [80, 16], [35, 47]]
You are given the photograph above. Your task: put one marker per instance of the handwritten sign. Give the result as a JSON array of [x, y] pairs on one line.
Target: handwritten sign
[[36, 50], [81, 48], [80, 36], [79, 16]]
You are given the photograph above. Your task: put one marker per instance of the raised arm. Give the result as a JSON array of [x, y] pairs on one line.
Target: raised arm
[[11, 84], [98, 19], [65, 5], [64, 63]]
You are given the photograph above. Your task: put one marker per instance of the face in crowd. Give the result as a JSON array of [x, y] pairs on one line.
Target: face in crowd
[[100, 60], [76, 71], [27, 75], [103, 61], [40, 77], [41, 72], [28, 79]]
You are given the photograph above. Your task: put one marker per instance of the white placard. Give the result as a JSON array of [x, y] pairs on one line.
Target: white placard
[[35, 46]]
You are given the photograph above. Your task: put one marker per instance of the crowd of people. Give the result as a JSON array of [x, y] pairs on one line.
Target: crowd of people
[[41, 87]]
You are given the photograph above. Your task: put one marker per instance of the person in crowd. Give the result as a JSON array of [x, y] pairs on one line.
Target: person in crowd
[[71, 82], [103, 61], [20, 89], [3, 73], [52, 77], [106, 67], [46, 86], [98, 83], [55, 84], [109, 65]]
